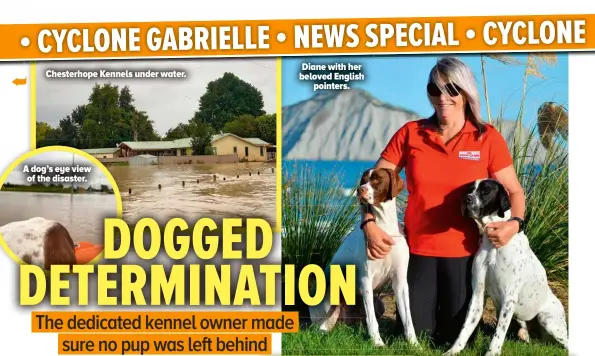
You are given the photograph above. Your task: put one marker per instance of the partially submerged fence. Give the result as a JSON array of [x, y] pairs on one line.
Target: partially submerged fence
[[174, 160], [210, 159], [215, 177]]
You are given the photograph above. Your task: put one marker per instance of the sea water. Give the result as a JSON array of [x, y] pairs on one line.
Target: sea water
[[349, 172]]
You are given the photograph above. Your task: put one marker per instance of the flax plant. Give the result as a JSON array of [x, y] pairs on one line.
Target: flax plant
[[541, 160], [317, 215]]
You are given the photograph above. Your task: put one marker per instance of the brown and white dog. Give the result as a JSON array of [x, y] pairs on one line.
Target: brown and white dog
[[40, 242], [377, 193]]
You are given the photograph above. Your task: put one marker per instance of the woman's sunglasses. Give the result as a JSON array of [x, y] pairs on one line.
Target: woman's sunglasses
[[451, 89]]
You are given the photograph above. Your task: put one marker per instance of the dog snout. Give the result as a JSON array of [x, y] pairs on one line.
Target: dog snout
[[469, 205], [361, 192]]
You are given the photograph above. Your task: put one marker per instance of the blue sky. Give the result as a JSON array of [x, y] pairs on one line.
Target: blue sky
[[401, 81]]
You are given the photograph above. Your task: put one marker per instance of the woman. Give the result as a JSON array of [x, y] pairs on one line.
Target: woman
[[441, 155]]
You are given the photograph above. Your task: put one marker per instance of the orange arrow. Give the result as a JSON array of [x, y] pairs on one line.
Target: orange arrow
[[20, 81]]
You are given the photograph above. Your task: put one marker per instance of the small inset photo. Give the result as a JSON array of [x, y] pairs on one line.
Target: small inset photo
[[53, 202]]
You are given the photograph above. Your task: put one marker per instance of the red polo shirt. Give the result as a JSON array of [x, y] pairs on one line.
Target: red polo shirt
[[436, 176]]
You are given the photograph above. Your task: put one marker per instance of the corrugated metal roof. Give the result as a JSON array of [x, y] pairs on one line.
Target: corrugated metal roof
[[150, 145], [256, 141], [182, 143], [160, 145], [220, 136], [253, 141], [101, 150], [185, 143]]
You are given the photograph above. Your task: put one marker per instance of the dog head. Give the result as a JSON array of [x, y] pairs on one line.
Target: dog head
[[379, 185], [59, 247], [484, 198]]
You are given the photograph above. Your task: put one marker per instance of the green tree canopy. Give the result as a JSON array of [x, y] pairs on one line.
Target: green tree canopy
[[178, 132], [263, 127], [41, 130], [202, 135], [243, 126], [227, 98], [110, 116], [107, 119], [267, 128]]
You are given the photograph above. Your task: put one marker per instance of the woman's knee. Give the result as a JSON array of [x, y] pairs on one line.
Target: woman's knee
[[422, 293]]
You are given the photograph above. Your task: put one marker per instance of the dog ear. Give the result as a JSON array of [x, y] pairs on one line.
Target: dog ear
[[365, 178], [467, 190], [396, 183], [504, 200]]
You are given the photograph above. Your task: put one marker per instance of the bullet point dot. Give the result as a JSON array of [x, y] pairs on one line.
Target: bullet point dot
[[470, 34], [25, 42], [281, 37]]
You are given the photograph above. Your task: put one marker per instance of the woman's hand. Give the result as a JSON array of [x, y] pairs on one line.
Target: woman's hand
[[500, 233], [379, 243]]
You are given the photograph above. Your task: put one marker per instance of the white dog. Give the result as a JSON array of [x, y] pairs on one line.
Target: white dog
[[378, 191], [511, 275], [40, 242]]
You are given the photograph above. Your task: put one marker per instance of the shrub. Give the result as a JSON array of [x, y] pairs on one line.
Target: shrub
[[543, 174], [317, 215]]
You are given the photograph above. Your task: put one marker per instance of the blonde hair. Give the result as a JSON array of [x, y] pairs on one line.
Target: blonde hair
[[454, 71]]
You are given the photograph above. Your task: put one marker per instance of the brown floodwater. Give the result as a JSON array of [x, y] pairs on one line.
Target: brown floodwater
[[81, 214], [244, 197]]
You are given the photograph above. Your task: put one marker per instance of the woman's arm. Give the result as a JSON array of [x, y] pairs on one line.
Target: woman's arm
[[510, 181], [382, 163], [503, 231]]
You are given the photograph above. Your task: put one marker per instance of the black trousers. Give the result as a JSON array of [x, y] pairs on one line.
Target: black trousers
[[440, 292]]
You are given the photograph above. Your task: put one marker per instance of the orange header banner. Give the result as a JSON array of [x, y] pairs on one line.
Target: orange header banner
[[297, 37]]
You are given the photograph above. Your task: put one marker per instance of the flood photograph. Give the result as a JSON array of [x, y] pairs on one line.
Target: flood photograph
[[216, 191], [202, 145], [54, 203]]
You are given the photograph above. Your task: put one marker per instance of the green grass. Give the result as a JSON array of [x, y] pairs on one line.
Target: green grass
[[344, 340]]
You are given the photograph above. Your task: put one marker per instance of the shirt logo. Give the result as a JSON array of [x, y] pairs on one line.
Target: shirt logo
[[469, 155]]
